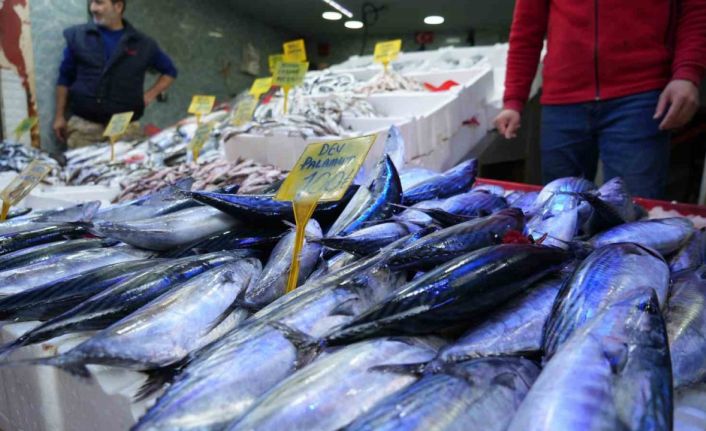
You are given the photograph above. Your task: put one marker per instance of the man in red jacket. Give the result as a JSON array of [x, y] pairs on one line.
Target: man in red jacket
[[618, 75]]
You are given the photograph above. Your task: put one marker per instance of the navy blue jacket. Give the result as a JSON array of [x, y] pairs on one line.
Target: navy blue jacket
[[103, 88]]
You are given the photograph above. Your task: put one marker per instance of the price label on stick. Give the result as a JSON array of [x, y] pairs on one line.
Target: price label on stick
[[22, 184], [202, 105], [274, 60], [295, 51], [261, 86], [117, 127], [244, 111], [25, 126], [288, 76], [323, 173], [387, 52], [203, 133], [118, 124]]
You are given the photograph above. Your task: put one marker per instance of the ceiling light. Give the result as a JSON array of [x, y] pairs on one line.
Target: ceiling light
[[355, 25], [434, 20], [332, 16], [339, 8]]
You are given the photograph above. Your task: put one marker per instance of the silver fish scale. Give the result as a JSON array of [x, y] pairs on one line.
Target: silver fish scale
[[167, 329], [513, 329], [664, 235], [690, 409], [336, 389], [686, 326], [272, 283], [212, 392], [612, 374], [478, 394], [608, 274]]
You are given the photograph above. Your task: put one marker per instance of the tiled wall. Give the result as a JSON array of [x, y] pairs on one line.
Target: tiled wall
[[49, 18], [206, 43], [204, 38]]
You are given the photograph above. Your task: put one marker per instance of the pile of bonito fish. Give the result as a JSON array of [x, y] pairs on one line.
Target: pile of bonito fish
[[425, 301]]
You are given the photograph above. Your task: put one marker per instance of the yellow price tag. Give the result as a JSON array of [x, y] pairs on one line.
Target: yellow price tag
[[290, 74], [118, 124], [25, 126], [323, 173], [274, 60], [244, 111], [325, 170], [295, 51], [261, 86], [22, 184], [202, 135], [202, 105], [386, 52]]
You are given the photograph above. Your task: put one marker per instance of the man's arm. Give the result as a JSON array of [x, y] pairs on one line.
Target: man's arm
[[688, 67], [62, 97], [165, 66], [67, 75], [162, 84], [529, 26]]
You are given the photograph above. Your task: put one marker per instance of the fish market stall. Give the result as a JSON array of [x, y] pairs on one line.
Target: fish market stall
[[170, 310], [440, 111]]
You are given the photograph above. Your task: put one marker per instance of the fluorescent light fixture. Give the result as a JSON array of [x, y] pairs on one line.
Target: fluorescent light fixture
[[354, 25], [434, 20], [332, 16], [339, 8]]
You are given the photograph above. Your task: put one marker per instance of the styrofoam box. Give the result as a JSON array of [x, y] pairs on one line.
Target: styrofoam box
[[47, 399], [284, 151], [464, 77]]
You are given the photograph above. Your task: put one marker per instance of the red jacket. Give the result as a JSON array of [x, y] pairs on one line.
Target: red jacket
[[602, 49]]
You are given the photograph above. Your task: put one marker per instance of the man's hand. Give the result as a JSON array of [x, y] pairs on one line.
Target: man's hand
[[149, 98], [60, 128], [508, 123], [682, 97]]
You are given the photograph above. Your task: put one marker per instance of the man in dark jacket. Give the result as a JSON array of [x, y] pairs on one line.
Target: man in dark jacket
[[103, 73], [618, 75]]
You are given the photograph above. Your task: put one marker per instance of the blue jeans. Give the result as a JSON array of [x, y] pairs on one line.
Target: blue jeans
[[621, 131]]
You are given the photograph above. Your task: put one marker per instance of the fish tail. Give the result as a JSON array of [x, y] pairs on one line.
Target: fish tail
[[157, 378], [308, 347]]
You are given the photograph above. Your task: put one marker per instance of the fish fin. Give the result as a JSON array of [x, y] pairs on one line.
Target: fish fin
[[580, 249], [406, 369], [507, 379], [184, 183], [179, 190], [405, 207], [157, 378], [616, 353], [289, 224], [346, 308], [308, 347]]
